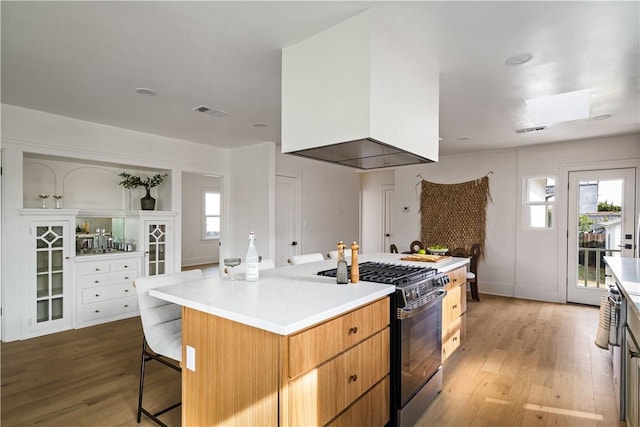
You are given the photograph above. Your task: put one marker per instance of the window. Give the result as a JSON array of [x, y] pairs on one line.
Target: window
[[211, 217], [539, 200]]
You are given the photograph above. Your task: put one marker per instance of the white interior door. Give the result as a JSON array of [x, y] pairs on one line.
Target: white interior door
[[387, 217], [601, 222], [287, 218]]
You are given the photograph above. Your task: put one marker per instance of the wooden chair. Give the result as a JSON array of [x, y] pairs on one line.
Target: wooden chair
[[415, 246], [472, 274], [393, 248]]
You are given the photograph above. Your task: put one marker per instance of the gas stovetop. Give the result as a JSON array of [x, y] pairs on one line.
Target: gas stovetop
[[397, 275]]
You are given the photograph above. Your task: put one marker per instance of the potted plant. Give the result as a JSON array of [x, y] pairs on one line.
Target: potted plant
[[129, 181]]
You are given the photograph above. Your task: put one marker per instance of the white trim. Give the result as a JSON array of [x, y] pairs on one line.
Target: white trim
[[562, 198]]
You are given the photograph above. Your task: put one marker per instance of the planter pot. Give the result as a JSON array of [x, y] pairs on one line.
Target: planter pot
[[148, 203]]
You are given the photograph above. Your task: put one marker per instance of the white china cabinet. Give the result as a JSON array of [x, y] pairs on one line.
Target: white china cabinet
[[47, 281], [155, 231]]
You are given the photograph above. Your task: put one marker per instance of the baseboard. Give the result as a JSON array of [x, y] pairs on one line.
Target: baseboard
[[199, 261]]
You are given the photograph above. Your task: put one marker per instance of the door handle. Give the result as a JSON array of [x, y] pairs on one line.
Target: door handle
[[294, 243]]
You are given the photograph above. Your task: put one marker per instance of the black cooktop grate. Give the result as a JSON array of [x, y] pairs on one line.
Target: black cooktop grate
[[391, 274]]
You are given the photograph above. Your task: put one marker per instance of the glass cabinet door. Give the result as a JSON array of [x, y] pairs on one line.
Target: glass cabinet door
[[156, 248], [50, 272]]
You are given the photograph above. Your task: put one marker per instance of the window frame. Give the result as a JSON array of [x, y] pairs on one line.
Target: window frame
[[204, 215], [549, 205]]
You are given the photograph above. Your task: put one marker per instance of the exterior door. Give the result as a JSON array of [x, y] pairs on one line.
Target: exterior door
[[601, 222], [287, 218]]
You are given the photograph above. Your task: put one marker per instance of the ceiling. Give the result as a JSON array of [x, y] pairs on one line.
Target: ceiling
[[85, 60]]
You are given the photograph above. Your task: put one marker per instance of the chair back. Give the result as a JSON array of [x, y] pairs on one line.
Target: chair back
[[334, 254], [162, 320], [460, 252], [475, 251], [305, 258], [415, 246], [393, 249]]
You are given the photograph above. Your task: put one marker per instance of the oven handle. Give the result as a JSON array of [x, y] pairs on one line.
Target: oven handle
[[407, 313]]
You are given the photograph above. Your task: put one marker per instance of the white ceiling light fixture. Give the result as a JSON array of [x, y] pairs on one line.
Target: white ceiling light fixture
[[563, 107], [145, 91], [519, 59]]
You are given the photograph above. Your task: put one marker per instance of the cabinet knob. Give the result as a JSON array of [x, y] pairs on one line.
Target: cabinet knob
[[126, 290], [455, 339], [97, 269], [126, 305], [97, 295], [454, 306], [353, 330], [455, 280], [353, 378], [126, 277], [96, 281], [97, 311], [126, 266]]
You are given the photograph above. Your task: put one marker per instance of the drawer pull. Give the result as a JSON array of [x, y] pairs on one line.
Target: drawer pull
[[353, 330], [126, 290], [353, 378], [454, 306], [126, 277], [455, 280], [97, 311], [96, 281], [97, 269], [126, 266], [126, 305], [97, 295], [455, 339]]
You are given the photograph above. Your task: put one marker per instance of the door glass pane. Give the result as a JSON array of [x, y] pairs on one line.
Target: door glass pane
[[161, 268], [152, 253], [56, 283], [42, 260], [56, 260], [599, 228], [43, 311], [56, 308], [161, 252], [42, 285], [152, 269]]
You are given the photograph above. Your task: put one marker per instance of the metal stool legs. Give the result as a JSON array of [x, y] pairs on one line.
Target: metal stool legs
[[147, 356]]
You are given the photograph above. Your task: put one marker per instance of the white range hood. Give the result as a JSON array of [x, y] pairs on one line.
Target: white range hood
[[356, 94]]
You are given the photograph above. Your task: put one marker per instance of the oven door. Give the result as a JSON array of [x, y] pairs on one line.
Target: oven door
[[420, 346]]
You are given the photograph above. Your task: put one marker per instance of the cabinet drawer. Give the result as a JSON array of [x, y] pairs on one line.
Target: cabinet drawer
[[457, 277], [451, 304], [106, 279], [105, 293], [108, 266], [318, 344], [318, 396], [451, 338], [108, 308], [372, 409]]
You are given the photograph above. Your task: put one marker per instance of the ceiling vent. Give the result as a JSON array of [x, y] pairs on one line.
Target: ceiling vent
[[531, 129], [211, 111]]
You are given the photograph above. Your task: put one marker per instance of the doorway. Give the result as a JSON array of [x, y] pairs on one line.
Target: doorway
[[387, 217], [601, 222], [287, 217]]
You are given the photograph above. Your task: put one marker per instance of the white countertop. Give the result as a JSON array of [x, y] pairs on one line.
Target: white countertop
[[627, 272], [287, 299]]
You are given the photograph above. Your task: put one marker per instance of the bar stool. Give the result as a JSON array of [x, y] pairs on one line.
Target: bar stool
[[162, 328]]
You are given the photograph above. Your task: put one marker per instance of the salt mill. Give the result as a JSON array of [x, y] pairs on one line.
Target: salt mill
[[341, 272], [355, 271]]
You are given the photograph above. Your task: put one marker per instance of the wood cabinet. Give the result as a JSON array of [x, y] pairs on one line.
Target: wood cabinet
[[334, 373], [454, 307], [104, 288]]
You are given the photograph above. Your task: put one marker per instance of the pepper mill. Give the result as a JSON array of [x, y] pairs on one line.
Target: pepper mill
[[355, 271]]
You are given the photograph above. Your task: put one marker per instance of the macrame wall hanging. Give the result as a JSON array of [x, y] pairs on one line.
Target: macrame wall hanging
[[454, 215]]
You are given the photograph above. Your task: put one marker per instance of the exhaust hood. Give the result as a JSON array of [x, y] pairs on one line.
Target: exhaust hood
[[356, 94]]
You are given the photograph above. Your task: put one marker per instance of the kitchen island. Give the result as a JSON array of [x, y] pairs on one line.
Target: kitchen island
[[293, 348]]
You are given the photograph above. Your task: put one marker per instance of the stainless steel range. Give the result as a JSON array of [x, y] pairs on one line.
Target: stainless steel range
[[416, 334]]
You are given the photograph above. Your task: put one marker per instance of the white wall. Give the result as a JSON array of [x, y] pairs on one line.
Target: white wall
[[329, 209], [372, 205], [518, 262], [195, 250], [251, 201], [31, 131]]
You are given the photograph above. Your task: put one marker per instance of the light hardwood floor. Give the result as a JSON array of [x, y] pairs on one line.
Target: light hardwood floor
[[524, 363]]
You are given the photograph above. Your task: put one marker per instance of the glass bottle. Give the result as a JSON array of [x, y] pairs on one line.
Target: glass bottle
[[341, 272], [252, 260]]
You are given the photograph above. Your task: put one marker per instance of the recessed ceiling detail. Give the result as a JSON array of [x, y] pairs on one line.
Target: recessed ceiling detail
[[211, 111]]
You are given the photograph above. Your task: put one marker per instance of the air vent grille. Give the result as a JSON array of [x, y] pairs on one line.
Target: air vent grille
[[211, 111], [531, 129]]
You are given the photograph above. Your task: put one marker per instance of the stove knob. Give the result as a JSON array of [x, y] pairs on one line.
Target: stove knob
[[415, 294]]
